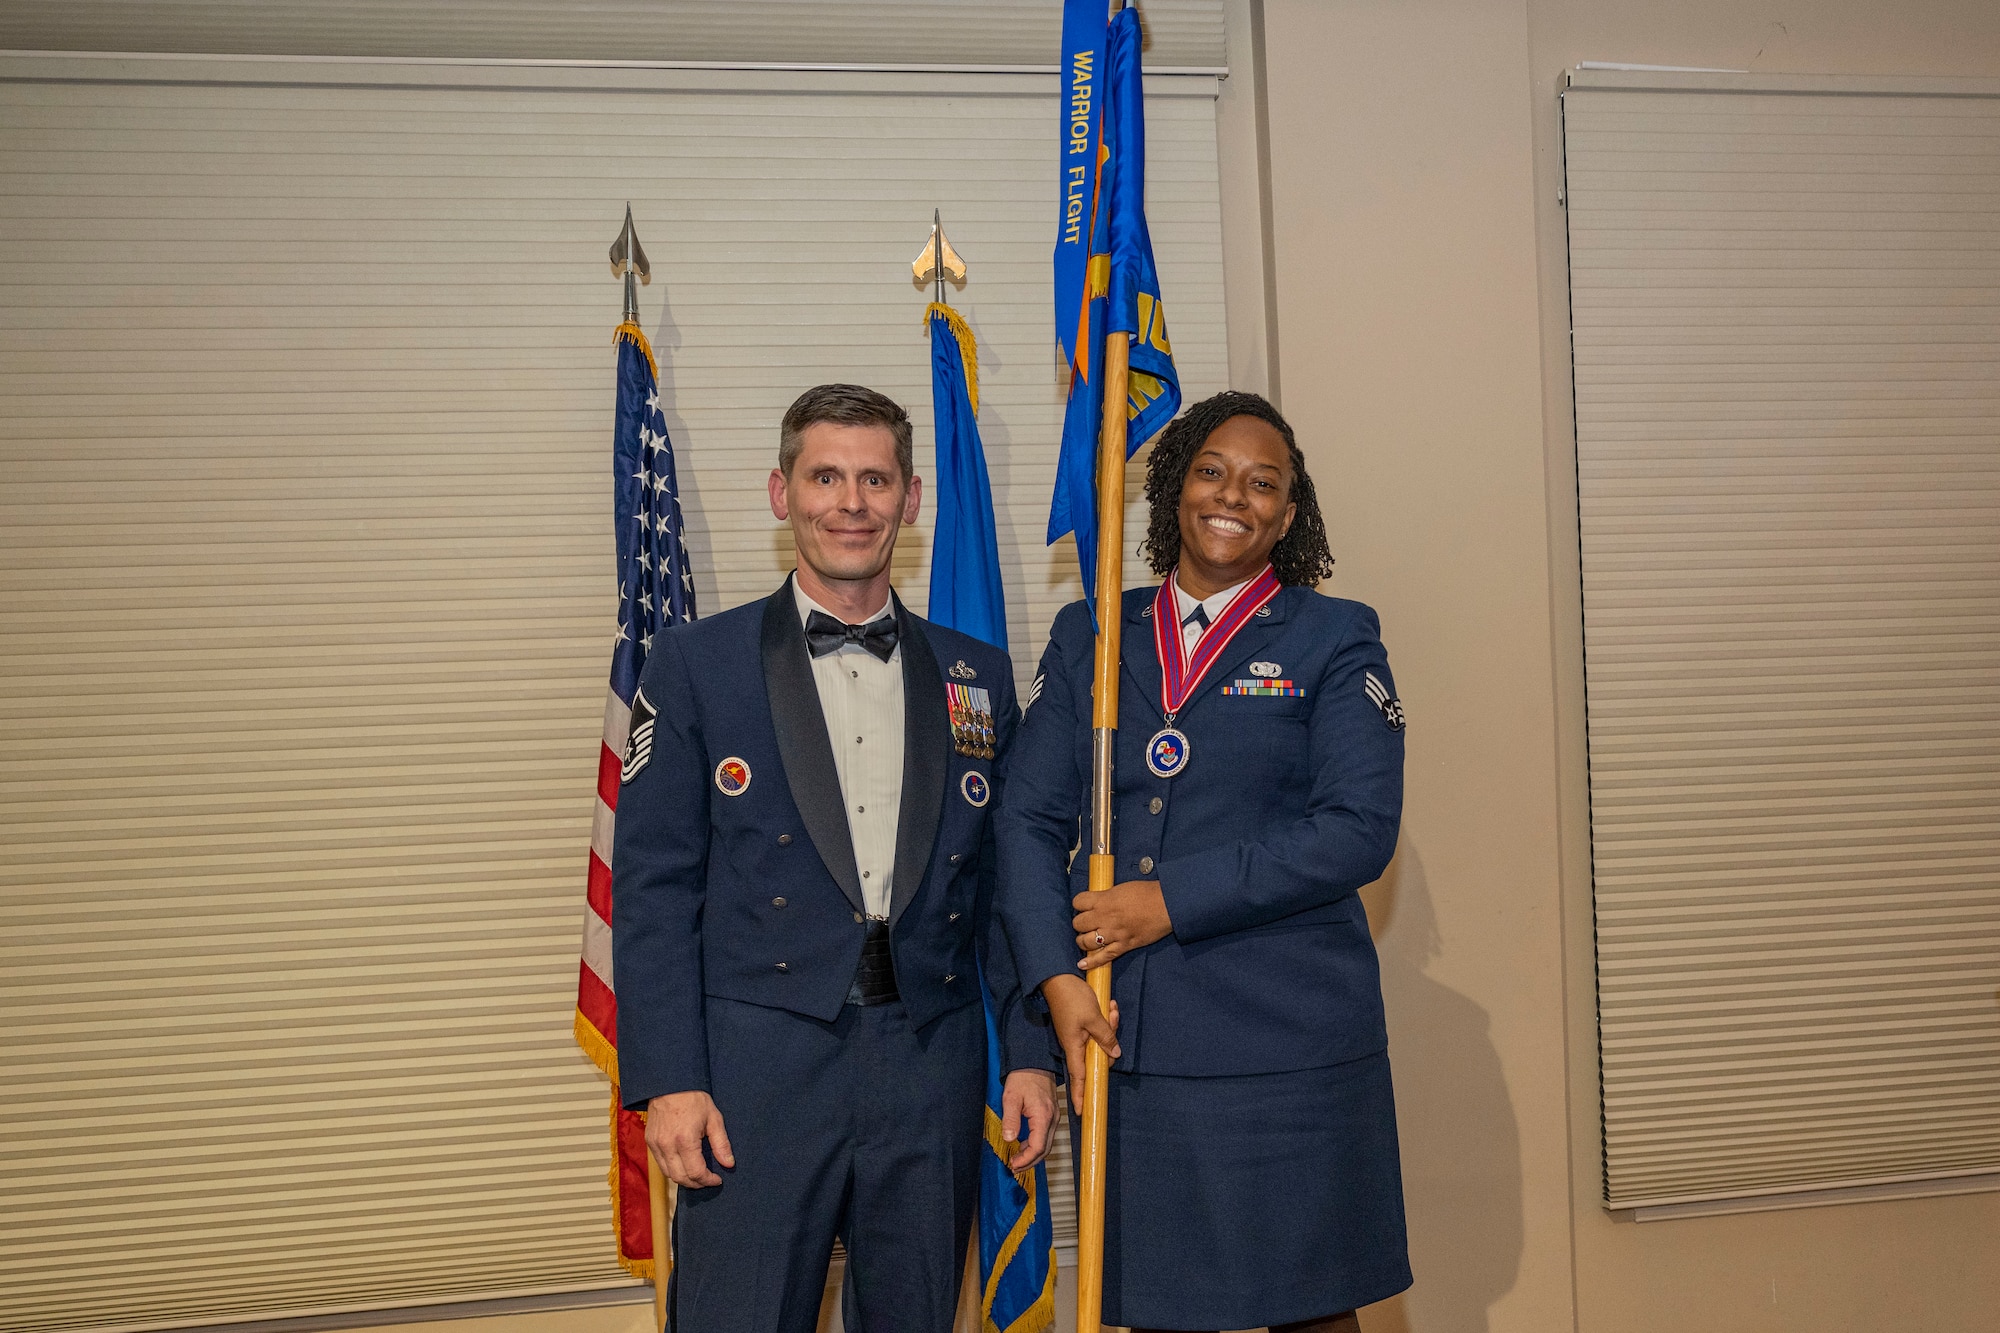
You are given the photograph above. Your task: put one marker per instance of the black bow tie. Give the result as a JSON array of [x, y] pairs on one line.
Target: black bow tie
[[824, 634]]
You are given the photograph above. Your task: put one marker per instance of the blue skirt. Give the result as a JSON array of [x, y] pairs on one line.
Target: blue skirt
[[1255, 1200]]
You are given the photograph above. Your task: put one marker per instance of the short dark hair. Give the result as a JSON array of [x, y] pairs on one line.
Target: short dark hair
[[1301, 557], [844, 405]]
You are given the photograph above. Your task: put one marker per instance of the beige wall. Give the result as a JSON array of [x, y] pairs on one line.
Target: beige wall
[[1421, 351]]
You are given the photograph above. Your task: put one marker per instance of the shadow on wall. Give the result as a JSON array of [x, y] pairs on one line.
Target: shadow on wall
[[666, 340], [1461, 1145]]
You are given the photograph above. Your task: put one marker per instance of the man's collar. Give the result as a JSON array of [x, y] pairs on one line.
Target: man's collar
[[806, 605]]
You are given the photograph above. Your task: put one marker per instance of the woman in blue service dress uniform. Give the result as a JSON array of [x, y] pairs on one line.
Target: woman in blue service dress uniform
[[1252, 1176]]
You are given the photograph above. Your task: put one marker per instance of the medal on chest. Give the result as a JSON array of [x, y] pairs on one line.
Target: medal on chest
[[1181, 670], [971, 709]]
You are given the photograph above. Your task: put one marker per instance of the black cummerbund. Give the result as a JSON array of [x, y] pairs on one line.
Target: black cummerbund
[[875, 978]]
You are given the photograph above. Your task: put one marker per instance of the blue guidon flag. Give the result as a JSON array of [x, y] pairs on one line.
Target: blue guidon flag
[[655, 590], [1017, 1268], [1105, 280]]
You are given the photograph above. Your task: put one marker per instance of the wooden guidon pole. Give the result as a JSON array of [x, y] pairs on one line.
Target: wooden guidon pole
[[1103, 867], [663, 1249]]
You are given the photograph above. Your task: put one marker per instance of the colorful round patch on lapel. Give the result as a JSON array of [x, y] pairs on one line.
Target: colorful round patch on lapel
[[974, 788], [732, 776]]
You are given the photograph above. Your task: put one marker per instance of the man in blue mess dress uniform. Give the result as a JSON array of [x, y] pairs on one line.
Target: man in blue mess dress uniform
[[803, 877], [1252, 1176]]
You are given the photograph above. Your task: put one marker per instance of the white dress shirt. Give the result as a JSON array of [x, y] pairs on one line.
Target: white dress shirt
[[862, 699], [1192, 630]]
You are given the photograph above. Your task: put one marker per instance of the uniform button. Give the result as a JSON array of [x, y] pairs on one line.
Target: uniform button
[[866, 873], [858, 918], [784, 839], [1145, 865], [950, 977], [857, 740], [860, 809], [777, 902], [1156, 805], [952, 917], [784, 967], [954, 858]]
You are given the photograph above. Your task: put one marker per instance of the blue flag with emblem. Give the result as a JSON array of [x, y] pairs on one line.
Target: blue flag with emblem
[[1017, 1269], [1119, 290]]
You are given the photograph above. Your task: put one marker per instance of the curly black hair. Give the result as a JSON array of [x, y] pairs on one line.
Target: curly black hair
[[1300, 559]]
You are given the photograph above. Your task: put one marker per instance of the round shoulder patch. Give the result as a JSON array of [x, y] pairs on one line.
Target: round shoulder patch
[[974, 787], [732, 776]]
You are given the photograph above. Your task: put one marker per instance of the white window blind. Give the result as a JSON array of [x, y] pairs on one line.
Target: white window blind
[[1786, 313], [1179, 33], [304, 503]]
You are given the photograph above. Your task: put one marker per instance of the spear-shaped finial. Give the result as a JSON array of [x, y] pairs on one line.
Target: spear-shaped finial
[[628, 260], [939, 260]]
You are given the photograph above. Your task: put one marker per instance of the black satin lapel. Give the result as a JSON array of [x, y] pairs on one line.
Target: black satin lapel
[[926, 762], [1141, 658], [802, 742]]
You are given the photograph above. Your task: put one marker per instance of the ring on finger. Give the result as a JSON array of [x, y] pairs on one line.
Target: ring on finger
[[1100, 939]]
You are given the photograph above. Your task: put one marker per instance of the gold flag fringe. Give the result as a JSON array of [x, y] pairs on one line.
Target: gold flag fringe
[[1041, 1315], [632, 333], [968, 350], [601, 1052]]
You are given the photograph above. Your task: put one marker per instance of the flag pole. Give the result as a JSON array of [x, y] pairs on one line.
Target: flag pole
[[663, 1251], [1103, 866], [628, 261]]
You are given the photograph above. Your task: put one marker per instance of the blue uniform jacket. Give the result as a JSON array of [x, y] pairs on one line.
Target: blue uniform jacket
[[1286, 807], [754, 896]]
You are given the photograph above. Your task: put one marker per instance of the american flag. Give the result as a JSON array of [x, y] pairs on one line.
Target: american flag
[[655, 590]]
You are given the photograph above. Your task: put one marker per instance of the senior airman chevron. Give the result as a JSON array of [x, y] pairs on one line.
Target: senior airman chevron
[[1392, 707]]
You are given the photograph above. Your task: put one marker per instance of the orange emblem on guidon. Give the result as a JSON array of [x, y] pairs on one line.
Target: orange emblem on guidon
[[732, 776]]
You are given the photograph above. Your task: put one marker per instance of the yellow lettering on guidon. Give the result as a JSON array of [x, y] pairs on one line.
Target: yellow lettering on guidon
[[1153, 323], [1097, 276], [1141, 390]]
